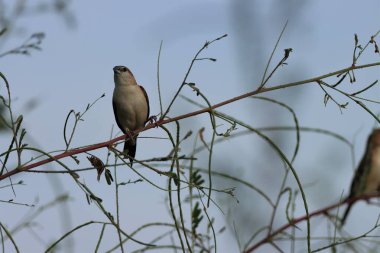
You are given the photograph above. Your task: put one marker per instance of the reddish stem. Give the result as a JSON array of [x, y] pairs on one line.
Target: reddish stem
[[161, 122], [322, 211]]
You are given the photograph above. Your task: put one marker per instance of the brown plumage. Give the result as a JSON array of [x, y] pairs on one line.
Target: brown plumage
[[130, 105], [367, 175]]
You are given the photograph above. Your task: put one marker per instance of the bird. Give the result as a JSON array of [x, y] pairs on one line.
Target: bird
[[367, 176], [130, 106]]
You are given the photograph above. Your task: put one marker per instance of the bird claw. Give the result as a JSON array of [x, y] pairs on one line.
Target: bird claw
[[153, 120], [130, 136]]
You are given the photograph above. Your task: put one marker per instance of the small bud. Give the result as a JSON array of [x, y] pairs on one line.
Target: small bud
[[287, 52], [356, 39], [188, 134]]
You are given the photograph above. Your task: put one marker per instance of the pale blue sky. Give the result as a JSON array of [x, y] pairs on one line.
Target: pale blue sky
[[75, 67]]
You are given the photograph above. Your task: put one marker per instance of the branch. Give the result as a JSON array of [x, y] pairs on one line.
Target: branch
[[180, 117], [323, 211]]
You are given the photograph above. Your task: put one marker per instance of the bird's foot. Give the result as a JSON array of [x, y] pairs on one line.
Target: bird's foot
[[153, 120], [130, 136]]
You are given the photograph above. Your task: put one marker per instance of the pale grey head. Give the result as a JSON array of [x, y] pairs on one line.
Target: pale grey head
[[123, 76]]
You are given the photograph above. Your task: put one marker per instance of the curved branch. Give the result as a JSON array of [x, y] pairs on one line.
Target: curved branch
[[180, 117], [322, 211]]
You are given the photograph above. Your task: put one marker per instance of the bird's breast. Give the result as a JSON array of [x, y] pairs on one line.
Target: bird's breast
[[132, 107]]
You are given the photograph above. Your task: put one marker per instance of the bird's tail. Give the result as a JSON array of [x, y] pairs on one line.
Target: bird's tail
[[130, 148], [343, 220]]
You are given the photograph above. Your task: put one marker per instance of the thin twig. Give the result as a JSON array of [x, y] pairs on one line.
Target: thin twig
[[322, 211], [184, 116], [158, 77]]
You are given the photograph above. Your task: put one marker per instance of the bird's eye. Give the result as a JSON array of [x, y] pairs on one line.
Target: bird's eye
[[123, 69]]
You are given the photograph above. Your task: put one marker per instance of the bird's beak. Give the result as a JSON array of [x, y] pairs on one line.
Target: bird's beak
[[116, 70]]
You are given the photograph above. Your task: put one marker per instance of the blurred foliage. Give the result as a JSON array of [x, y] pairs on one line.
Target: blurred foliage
[[11, 11]]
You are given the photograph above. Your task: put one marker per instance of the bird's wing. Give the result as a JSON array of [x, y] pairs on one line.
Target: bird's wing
[[116, 118], [147, 101], [358, 183], [359, 180]]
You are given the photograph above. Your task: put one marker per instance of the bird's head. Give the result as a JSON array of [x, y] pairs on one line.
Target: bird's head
[[376, 137], [123, 76]]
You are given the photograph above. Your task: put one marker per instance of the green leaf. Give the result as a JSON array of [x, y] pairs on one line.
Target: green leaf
[[196, 218], [108, 176]]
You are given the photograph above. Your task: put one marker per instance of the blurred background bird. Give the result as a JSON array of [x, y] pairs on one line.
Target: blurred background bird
[[367, 175], [130, 106]]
